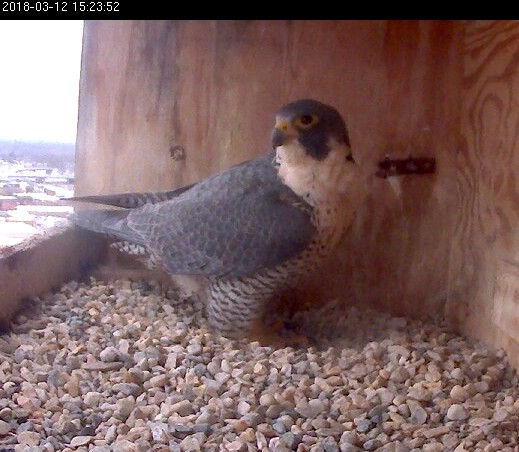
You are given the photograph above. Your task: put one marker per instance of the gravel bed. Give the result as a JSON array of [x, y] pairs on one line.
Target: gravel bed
[[124, 367]]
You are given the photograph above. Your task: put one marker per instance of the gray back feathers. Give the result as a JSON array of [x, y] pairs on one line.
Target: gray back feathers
[[231, 224]]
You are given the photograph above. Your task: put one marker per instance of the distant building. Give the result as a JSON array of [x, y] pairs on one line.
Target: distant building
[[35, 171], [30, 199], [8, 202]]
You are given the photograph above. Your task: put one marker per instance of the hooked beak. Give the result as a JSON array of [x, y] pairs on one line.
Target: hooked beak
[[278, 138], [282, 133]]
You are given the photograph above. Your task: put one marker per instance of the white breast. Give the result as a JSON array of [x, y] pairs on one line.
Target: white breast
[[333, 186]]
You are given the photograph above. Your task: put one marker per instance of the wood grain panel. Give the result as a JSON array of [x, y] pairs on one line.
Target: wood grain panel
[[398, 251], [487, 186], [125, 111], [41, 264], [212, 87]]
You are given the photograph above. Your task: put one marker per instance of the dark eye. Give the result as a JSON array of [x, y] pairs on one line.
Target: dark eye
[[305, 121]]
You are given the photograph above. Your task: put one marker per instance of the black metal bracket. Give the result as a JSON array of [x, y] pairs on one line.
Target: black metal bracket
[[399, 167]]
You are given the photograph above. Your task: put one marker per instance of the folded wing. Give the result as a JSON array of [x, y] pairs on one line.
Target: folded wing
[[231, 224]]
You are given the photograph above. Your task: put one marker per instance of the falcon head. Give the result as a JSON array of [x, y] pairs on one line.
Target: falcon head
[[314, 126]]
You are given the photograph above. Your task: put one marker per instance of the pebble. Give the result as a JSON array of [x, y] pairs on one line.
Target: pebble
[[418, 413], [437, 431], [243, 407], [127, 366], [346, 447], [309, 409], [458, 393], [80, 441], [28, 439], [420, 393], [158, 381], [364, 425], [456, 412], [433, 447], [109, 354], [92, 398], [267, 399], [5, 428], [103, 367]]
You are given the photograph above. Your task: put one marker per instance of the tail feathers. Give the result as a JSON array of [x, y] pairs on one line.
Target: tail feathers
[[110, 222], [131, 200]]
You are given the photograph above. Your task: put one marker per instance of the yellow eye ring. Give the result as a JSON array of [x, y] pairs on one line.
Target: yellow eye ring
[[306, 121]]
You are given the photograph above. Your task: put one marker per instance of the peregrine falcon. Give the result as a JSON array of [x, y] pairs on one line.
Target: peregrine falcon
[[253, 230]]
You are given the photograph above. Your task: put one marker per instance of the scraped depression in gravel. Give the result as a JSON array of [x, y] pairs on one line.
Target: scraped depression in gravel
[[122, 367]]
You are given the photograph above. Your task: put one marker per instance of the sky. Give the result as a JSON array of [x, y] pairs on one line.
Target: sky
[[40, 62]]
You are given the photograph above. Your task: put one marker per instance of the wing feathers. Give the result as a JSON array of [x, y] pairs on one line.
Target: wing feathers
[[131, 200], [231, 224], [110, 222]]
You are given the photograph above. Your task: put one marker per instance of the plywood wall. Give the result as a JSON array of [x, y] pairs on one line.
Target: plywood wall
[[484, 261], [42, 263], [396, 256], [212, 87]]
